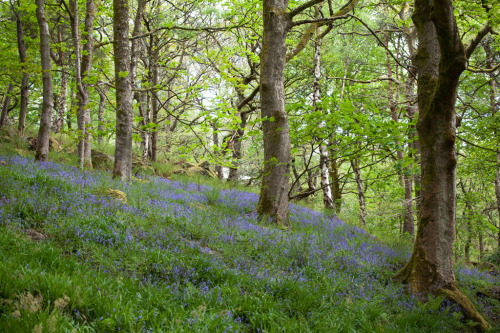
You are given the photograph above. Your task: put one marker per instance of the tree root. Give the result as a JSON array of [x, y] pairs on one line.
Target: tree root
[[454, 294]]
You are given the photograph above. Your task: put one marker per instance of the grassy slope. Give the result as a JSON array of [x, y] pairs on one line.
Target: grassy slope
[[181, 256]]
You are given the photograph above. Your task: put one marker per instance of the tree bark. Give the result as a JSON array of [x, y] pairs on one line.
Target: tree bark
[[323, 152], [42, 144], [273, 199], [441, 59], [123, 148], [6, 104], [23, 108], [218, 167]]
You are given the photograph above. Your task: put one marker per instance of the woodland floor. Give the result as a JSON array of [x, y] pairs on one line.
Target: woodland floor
[[179, 256]]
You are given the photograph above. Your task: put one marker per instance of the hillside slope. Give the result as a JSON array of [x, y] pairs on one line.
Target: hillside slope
[[181, 256]]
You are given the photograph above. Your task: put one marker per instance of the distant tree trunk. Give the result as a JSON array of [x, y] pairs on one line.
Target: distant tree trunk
[[481, 245], [6, 104], [336, 189], [408, 222], [23, 108], [441, 59], [466, 214], [42, 144], [494, 111], [273, 199], [100, 113], [237, 148], [83, 64], [123, 148], [361, 192], [58, 123], [73, 103], [145, 134], [323, 152], [215, 136], [154, 101]]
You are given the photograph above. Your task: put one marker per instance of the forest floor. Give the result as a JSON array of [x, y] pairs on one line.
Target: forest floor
[[81, 252]]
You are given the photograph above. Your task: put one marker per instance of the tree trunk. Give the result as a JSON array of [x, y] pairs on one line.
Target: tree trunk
[[335, 186], [154, 101], [361, 192], [237, 147], [218, 167], [23, 108], [123, 148], [42, 144], [58, 123], [494, 111], [441, 59], [273, 199], [6, 104], [408, 222], [100, 113], [323, 152]]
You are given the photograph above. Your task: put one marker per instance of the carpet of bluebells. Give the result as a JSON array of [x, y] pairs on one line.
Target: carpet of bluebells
[[181, 256]]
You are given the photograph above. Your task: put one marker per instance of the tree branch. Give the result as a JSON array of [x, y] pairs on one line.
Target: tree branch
[[475, 42]]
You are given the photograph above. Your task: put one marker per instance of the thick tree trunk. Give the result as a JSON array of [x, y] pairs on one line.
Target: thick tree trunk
[[23, 108], [361, 192], [323, 152], [6, 104], [42, 144], [441, 59], [273, 199], [123, 148]]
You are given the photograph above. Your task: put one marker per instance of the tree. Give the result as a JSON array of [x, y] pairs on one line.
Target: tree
[[123, 147], [273, 199], [42, 146], [441, 59]]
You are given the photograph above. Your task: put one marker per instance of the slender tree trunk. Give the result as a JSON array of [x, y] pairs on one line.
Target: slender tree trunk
[[82, 68], [215, 136], [61, 103], [408, 222], [69, 120], [154, 101], [23, 108], [100, 113], [323, 152], [6, 104], [441, 59], [123, 148], [361, 192], [42, 144], [494, 111], [237, 147], [273, 199]]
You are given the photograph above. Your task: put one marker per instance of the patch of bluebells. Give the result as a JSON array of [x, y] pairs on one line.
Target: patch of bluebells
[[228, 242]]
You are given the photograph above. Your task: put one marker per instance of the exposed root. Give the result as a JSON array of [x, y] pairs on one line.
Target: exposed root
[[454, 294]]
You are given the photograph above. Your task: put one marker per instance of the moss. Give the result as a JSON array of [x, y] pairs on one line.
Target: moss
[[454, 294]]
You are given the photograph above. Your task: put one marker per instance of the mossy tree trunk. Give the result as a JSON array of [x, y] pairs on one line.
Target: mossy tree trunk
[[441, 58], [25, 90]]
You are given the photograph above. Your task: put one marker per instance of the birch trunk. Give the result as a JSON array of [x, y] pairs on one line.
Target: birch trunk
[[42, 145], [323, 152]]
